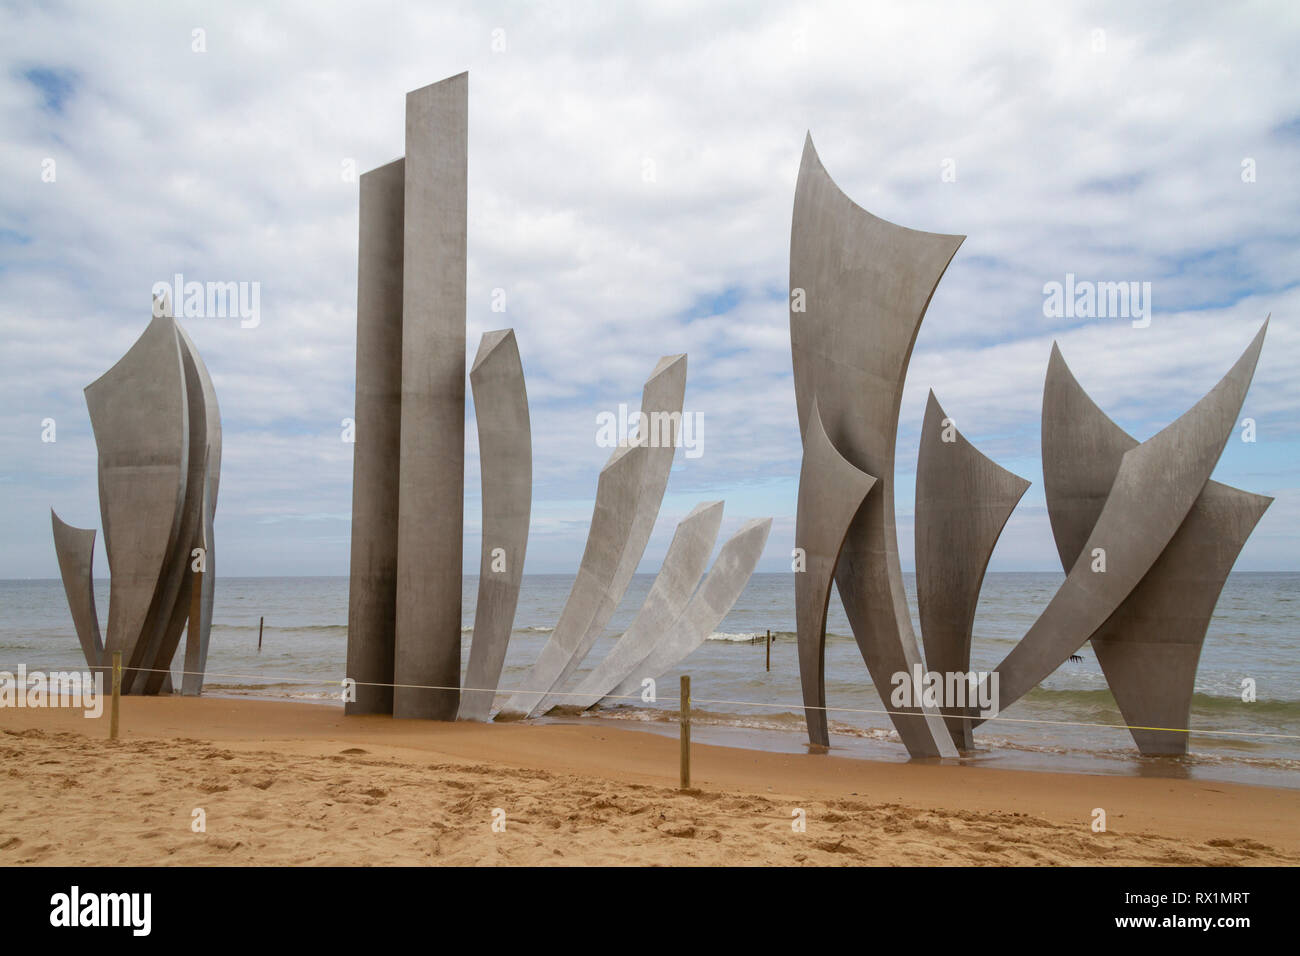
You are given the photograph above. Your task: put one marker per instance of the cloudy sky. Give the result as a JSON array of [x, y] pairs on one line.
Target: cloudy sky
[[632, 169]]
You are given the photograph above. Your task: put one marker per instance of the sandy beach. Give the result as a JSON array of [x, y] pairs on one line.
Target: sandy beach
[[300, 784]]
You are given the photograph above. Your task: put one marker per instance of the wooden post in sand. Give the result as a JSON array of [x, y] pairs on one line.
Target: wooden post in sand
[[117, 695], [769, 649], [686, 732]]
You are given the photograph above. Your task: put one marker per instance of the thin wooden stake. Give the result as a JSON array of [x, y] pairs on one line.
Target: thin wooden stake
[[686, 732], [259, 634], [117, 695], [769, 648]]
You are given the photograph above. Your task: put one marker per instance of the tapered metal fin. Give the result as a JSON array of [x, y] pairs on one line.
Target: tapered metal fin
[[628, 498], [687, 557], [1149, 648], [722, 587], [75, 548], [963, 501], [831, 491], [1154, 489], [859, 288]]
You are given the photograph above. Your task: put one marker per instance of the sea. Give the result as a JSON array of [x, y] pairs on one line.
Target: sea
[[1069, 723]]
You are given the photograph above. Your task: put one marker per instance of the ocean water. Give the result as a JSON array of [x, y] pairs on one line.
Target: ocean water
[[1058, 726]]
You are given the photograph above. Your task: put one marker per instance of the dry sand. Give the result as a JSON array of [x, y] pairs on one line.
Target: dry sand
[[287, 783]]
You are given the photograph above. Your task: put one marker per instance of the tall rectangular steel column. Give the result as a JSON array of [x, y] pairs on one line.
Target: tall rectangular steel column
[[372, 593], [431, 480]]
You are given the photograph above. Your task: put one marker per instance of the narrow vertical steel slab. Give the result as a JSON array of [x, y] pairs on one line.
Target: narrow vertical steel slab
[[377, 440], [75, 549], [1149, 648], [431, 479], [719, 592], [684, 564], [139, 414], [963, 501], [1155, 486], [860, 287], [831, 491], [506, 468]]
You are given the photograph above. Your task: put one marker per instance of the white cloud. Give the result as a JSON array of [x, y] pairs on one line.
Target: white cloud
[[1118, 164]]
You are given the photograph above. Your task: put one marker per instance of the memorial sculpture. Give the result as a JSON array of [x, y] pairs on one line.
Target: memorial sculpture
[[628, 496], [404, 611], [683, 565], [1146, 538], [1150, 646], [158, 433], [1154, 488], [831, 491], [659, 638], [676, 616], [859, 288], [431, 465], [963, 501], [717, 594], [404, 605], [75, 550], [377, 441], [506, 466]]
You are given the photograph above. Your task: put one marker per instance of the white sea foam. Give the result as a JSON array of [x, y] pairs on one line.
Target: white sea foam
[[303, 657]]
